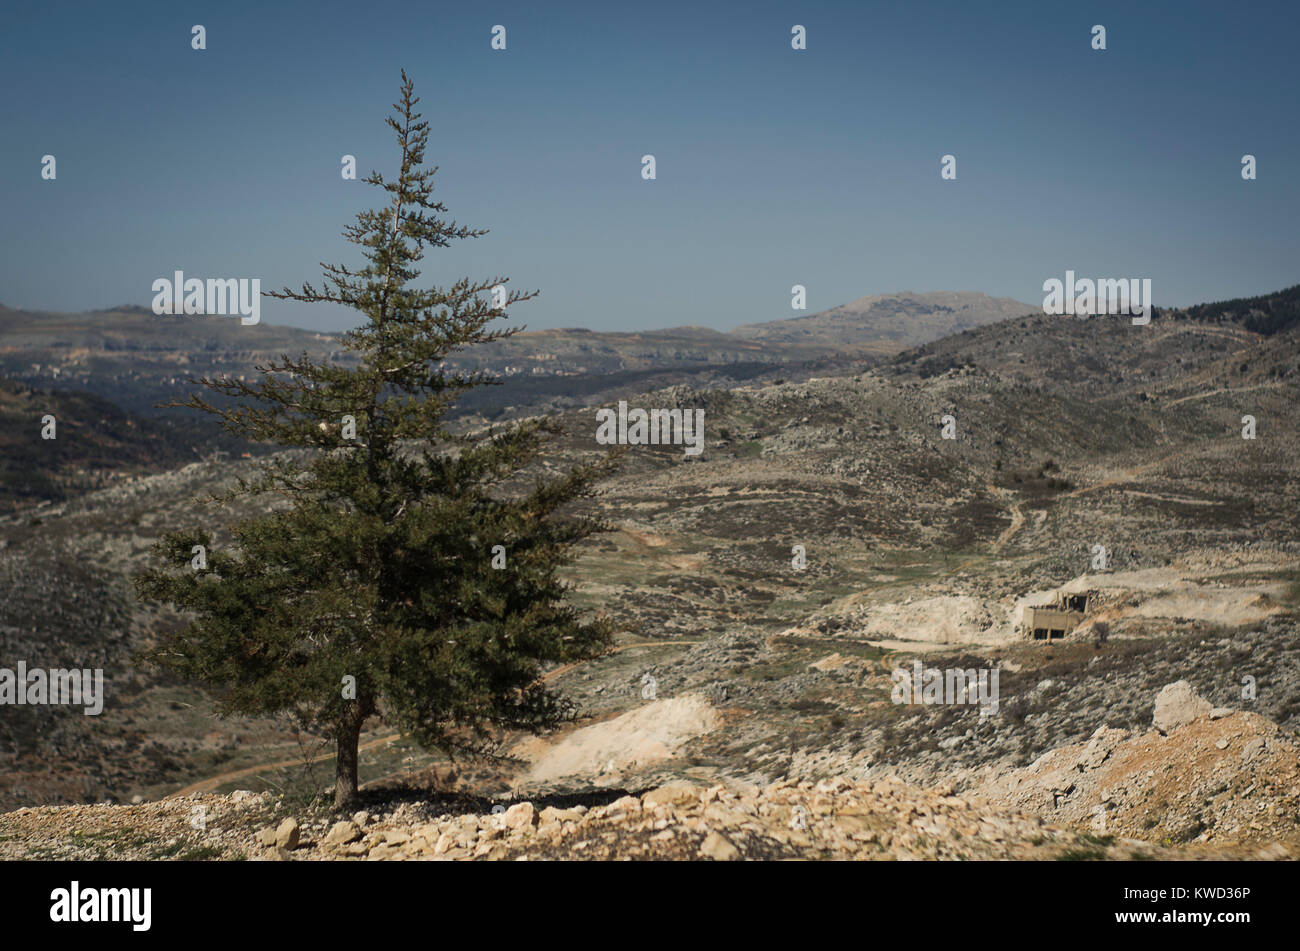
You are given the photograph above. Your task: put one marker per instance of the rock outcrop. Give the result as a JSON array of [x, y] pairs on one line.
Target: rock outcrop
[[1176, 705]]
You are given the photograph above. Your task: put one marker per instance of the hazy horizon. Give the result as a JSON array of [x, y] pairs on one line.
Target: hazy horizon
[[125, 306]]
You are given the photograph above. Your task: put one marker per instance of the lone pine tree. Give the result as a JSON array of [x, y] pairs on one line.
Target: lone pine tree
[[370, 587]]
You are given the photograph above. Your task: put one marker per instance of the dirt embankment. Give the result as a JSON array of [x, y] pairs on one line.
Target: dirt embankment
[[1221, 776]]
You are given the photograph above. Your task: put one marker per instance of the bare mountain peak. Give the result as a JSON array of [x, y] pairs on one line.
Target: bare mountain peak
[[898, 319]]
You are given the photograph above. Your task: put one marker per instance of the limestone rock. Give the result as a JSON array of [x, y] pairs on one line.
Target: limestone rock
[[672, 794], [1178, 704], [718, 847], [286, 836], [1252, 749], [343, 832], [625, 805], [1100, 746], [522, 815]]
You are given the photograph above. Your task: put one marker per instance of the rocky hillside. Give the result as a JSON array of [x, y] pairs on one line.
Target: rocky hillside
[[917, 547], [1265, 314], [95, 443]]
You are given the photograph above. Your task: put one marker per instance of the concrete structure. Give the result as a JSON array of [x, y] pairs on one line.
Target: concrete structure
[[1051, 622]]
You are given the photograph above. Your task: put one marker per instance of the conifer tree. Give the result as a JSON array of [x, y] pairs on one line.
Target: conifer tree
[[374, 585]]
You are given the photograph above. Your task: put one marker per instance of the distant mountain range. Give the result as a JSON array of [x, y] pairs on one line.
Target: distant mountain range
[[878, 325], [103, 373], [137, 359]]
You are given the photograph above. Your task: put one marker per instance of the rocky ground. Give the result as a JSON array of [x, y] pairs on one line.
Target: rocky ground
[[1205, 783], [833, 819]]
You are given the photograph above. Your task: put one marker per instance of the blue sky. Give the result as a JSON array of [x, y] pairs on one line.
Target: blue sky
[[775, 167]]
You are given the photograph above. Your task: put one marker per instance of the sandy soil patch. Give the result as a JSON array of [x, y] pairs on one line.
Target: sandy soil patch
[[1217, 605], [947, 619], [643, 736]]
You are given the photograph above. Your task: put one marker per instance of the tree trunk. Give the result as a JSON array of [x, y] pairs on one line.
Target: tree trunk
[[345, 767]]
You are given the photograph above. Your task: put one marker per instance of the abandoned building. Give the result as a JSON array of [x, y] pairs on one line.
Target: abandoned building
[[1051, 622]]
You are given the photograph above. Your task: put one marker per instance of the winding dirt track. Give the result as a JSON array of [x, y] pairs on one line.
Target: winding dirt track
[[212, 782], [1240, 389], [1017, 521]]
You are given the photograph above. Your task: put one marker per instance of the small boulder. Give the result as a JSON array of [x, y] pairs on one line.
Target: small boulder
[[521, 816], [1178, 704], [550, 814], [1100, 746], [286, 836], [341, 833], [718, 847], [1252, 749]]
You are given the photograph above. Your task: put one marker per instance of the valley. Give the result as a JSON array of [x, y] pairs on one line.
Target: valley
[[1071, 435]]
